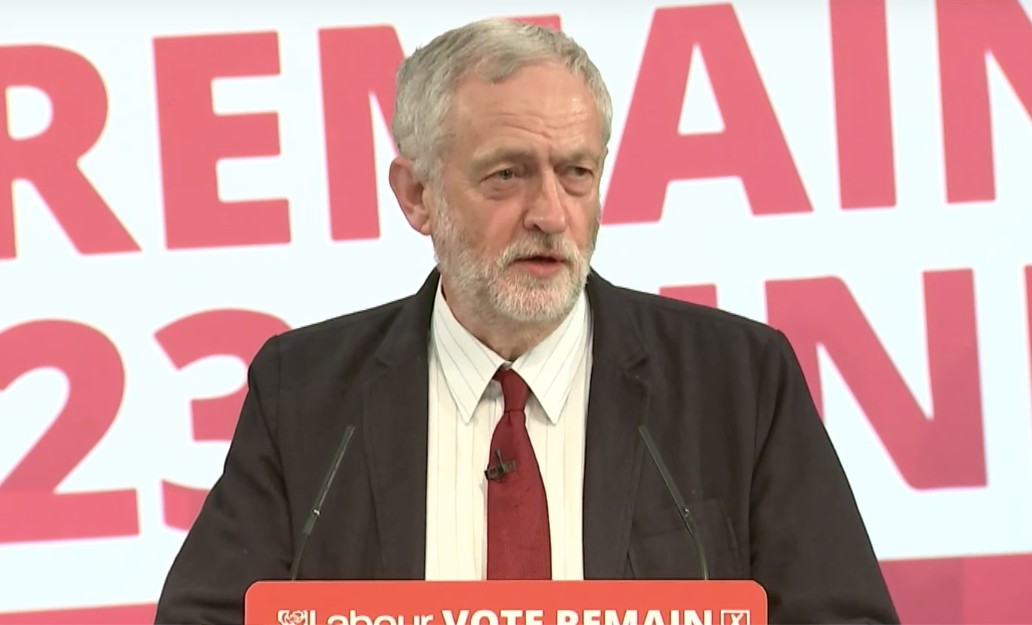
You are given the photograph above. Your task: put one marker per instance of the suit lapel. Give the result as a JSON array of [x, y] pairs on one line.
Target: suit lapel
[[395, 423], [617, 403]]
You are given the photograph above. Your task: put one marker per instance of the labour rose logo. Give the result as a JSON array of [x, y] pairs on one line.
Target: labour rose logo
[[293, 617]]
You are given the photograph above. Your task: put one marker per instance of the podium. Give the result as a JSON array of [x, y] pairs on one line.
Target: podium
[[617, 602]]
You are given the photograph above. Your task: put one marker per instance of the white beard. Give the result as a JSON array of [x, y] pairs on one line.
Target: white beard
[[493, 290]]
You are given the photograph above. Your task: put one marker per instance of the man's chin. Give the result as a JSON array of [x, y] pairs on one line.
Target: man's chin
[[535, 304]]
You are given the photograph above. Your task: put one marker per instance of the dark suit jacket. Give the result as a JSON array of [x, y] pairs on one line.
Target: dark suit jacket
[[723, 396]]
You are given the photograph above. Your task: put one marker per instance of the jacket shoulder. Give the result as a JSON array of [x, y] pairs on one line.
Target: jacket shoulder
[[677, 315], [358, 322], [358, 332], [683, 336]]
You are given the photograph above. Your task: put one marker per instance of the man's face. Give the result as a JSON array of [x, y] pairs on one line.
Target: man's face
[[515, 218]]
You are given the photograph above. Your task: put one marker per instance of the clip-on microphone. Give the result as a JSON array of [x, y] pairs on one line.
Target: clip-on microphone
[[497, 471]]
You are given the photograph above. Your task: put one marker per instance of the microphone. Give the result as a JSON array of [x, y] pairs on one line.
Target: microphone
[[496, 472], [306, 531], [675, 495]]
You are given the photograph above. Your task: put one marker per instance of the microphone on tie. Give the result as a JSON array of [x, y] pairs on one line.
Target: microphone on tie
[[500, 468]]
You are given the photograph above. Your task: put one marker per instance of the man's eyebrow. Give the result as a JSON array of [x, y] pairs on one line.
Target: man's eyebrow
[[496, 155], [580, 156]]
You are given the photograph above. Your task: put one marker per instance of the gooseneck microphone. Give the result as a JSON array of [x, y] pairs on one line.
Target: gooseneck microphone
[[682, 508], [306, 531]]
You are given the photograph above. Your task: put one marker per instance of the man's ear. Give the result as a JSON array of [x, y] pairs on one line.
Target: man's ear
[[408, 189]]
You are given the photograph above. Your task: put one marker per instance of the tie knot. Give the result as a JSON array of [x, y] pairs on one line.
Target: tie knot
[[514, 389]]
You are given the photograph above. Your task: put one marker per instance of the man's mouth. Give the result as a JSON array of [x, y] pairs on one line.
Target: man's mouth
[[541, 265], [541, 258]]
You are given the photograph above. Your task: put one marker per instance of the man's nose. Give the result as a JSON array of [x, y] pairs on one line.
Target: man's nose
[[547, 211]]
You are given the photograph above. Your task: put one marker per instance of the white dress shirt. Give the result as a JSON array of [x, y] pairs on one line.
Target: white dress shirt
[[465, 405]]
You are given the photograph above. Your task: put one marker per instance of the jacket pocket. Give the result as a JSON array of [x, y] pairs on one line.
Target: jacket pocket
[[661, 547]]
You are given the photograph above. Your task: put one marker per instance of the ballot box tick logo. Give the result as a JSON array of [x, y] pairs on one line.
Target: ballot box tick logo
[[734, 617]]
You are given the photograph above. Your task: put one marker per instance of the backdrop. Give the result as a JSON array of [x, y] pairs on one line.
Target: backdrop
[[182, 180]]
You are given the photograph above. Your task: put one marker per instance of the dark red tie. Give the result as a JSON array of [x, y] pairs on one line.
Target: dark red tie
[[518, 542]]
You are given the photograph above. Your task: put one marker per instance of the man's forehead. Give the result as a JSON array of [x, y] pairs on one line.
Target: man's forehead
[[548, 93], [524, 136], [549, 116]]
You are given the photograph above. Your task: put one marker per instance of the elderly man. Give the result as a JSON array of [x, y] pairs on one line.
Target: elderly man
[[496, 410]]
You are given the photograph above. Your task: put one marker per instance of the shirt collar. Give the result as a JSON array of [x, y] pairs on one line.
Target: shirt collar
[[548, 368]]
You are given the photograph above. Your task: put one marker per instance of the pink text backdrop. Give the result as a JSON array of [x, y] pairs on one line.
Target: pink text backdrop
[[187, 179]]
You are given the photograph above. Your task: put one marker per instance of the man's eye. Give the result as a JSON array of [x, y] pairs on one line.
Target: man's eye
[[505, 174]]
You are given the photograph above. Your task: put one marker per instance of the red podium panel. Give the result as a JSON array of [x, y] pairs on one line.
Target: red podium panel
[[506, 603]]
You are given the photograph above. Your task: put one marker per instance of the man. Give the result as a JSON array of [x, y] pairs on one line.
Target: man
[[497, 409]]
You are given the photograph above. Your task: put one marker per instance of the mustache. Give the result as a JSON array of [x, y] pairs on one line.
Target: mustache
[[540, 245]]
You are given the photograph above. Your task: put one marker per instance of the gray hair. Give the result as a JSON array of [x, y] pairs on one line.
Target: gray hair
[[493, 49]]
